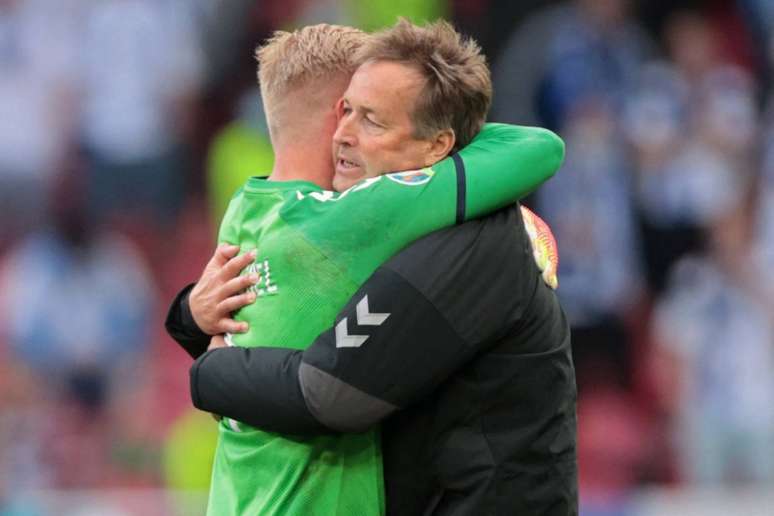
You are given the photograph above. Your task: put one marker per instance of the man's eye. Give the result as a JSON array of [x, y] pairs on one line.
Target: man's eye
[[371, 122], [346, 110]]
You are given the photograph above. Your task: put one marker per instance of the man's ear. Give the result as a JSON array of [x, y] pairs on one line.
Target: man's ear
[[440, 146], [339, 109]]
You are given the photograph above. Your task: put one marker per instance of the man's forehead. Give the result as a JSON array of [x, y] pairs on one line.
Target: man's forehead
[[376, 78], [398, 69]]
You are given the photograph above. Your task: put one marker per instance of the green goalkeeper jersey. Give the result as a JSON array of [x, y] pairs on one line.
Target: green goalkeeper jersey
[[314, 249]]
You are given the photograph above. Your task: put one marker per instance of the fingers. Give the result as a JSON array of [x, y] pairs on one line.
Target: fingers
[[236, 285], [235, 265], [231, 326], [223, 254], [234, 303]]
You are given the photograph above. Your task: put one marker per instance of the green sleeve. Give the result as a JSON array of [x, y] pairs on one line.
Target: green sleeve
[[504, 163], [365, 225]]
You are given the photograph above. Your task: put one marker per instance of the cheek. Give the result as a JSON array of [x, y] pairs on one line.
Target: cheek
[[391, 146], [387, 153], [386, 157], [414, 155]]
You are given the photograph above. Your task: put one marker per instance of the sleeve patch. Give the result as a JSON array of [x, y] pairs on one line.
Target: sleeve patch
[[544, 249], [412, 177]]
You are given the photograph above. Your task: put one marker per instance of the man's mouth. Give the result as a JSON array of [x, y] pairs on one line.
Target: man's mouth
[[345, 165]]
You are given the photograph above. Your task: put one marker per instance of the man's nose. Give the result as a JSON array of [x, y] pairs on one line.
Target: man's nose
[[345, 134]]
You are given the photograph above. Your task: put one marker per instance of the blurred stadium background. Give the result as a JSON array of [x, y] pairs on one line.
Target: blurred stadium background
[[126, 124]]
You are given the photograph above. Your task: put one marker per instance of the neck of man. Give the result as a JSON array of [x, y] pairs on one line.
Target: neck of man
[[303, 156]]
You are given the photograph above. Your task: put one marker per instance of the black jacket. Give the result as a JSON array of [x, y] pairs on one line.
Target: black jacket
[[470, 374]]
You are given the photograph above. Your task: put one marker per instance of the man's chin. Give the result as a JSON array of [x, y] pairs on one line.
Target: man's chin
[[342, 182]]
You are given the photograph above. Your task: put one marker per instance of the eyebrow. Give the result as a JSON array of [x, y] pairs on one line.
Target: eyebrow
[[365, 109]]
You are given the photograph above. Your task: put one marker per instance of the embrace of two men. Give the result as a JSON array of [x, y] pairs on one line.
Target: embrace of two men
[[375, 329]]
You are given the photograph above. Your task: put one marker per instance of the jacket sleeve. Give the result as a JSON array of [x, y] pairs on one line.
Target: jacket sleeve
[[390, 345], [181, 326], [418, 318]]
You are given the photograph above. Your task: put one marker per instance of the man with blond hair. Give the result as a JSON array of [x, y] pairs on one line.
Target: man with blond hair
[[316, 248]]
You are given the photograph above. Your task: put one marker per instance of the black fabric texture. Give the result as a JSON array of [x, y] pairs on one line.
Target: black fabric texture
[[257, 388], [404, 358], [180, 325], [498, 437], [339, 405]]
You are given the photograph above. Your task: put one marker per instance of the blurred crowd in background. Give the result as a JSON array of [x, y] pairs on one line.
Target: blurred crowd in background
[[126, 125]]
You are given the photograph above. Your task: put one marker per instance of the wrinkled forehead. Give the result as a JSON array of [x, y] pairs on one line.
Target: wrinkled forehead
[[396, 73], [385, 83]]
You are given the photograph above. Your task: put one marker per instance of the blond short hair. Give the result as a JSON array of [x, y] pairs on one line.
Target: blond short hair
[[291, 59], [458, 87]]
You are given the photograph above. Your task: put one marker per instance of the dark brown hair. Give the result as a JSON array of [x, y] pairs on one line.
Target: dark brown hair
[[458, 88]]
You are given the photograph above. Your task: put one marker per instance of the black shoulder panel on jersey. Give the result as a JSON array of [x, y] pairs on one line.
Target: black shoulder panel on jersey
[[389, 347], [459, 167], [480, 274], [257, 386]]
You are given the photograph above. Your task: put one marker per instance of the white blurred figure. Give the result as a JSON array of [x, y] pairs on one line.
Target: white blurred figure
[[76, 304], [74, 295], [714, 329], [563, 54], [38, 46], [764, 229], [692, 144], [713, 129], [655, 125], [142, 65], [693, 186], [589, 208]]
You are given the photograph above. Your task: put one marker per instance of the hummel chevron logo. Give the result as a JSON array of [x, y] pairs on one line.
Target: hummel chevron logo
[[364, 318], [344, 340]]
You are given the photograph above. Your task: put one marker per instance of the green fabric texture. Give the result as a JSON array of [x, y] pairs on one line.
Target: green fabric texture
[[314, 249]]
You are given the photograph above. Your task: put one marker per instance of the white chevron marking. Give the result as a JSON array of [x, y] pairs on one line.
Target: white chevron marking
[[364, 317], [344, 340]]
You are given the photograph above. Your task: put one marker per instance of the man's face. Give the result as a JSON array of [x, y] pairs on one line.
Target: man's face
[[375, 134]]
